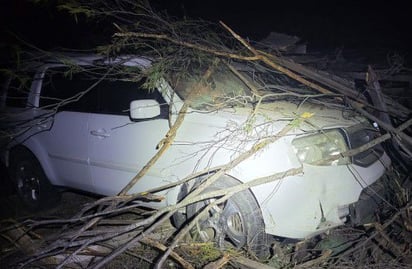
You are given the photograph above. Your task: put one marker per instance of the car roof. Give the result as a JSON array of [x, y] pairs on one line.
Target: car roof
[[63, 59]]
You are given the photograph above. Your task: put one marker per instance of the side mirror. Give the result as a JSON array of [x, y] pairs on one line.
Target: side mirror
[[144, 109]]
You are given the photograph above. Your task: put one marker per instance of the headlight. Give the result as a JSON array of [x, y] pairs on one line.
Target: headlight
[[313, 148], [359, 136]]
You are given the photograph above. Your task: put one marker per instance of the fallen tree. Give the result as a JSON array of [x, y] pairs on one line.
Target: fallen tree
[[94, 237]]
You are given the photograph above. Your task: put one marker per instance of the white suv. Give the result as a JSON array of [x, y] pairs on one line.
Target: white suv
[[77, 130]]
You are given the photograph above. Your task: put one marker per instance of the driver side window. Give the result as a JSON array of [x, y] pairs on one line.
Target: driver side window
[[116, 96]]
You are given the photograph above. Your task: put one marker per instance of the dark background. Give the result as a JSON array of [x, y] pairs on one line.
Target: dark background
[[322, 24]]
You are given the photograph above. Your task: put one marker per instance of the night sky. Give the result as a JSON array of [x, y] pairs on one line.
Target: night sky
[[325, 23], [322, 24]]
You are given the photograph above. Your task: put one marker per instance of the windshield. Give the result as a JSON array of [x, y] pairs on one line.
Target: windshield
[[222, 89], [237, 85]]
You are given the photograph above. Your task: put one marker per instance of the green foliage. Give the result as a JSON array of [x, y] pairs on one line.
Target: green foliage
[[250, 124], [154, 74], [22, 77], [75, 8], [72, 67], [202, 253]]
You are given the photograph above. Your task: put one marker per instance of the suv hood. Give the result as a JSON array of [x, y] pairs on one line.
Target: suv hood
[[323, 117]]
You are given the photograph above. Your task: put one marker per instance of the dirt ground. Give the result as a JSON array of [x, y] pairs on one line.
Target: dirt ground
[[12, 208], [71, 202], [13, 211]]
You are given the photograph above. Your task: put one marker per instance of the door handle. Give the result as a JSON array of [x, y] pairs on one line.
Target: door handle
[[100, 133]]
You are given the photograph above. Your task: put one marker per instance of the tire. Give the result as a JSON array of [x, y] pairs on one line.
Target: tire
[[7, 188], [30, 181], [238, 222]]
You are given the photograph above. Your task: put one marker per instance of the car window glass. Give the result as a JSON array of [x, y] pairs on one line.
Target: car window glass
[[69, 91], [93, 90], [222, 88], [18, 89], [117, 94]]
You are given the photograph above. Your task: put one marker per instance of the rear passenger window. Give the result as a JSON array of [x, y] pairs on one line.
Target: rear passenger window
[[18, 89], [86, 91], [64, 90]]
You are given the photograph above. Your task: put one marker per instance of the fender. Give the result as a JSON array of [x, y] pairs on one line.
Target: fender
[[41, 155]]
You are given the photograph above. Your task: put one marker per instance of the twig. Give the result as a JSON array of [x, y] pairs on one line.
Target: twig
[[219, 263], [310, 264], [374, 234], [248, 263], [382, 124], [370, 144], [187, 228], [173, 254], [381, 231], [275, 65], [188, 45], [228, 192], [169, 137]]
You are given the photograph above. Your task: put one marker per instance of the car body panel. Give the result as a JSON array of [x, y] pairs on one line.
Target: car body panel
[[128, 146], [67, 149]]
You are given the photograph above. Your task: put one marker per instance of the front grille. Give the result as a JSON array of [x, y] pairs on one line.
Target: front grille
[[359, 136]]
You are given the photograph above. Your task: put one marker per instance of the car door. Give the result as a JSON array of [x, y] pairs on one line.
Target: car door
[[119, 147], [69, 99]]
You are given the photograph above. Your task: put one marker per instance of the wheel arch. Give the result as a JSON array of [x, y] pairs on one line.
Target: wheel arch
[[234, 181], [181, 192], [255, 236], [41, 156], [33, 187]]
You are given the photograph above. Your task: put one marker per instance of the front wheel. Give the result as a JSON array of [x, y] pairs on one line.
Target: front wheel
[[238, 222], [32, 186]]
